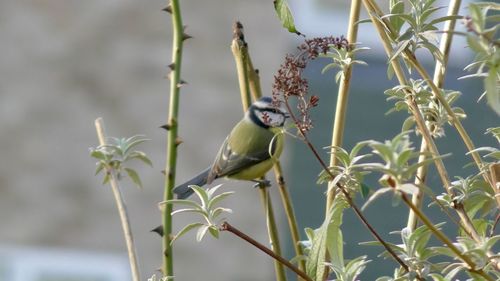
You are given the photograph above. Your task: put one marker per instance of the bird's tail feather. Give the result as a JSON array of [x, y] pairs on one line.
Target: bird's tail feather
[[183, 191]]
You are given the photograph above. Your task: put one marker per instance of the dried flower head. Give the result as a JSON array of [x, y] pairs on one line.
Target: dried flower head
[[288, 81]]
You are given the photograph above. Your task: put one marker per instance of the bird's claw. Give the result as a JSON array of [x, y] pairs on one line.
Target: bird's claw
[[262, 183]]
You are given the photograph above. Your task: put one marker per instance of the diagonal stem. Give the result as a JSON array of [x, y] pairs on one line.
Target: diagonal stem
[[344, 191], [122, 208], [227, 227]]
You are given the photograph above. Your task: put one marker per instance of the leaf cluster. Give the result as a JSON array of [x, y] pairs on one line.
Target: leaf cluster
[[342, 60], [420, 26], [434, 113], [113, 156], [483, 41], [206, 208]]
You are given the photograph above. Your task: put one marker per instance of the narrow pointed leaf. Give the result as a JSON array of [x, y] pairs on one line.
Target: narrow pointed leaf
[[285, 16], [134, 176], [185, 230]]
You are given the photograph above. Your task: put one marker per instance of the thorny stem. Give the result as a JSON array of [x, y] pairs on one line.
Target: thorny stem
[[172, 138], [122, 208], [227, 227], [343, 190], [240, 52]]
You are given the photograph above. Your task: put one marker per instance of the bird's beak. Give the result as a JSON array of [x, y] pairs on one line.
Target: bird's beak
[[287, 115]]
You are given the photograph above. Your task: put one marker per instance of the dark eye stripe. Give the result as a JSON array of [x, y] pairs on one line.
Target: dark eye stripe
[[271, 109]]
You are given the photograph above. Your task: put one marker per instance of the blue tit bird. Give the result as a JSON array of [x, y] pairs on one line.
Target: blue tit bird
[[250, 149]]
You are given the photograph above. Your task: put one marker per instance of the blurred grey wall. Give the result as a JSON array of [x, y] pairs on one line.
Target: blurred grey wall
[[64, 63]]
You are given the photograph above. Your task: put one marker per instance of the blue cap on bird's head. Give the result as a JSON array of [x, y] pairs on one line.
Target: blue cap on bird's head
[[265, 113]]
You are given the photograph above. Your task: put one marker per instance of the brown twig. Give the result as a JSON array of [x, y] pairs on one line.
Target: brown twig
[[227, 227]]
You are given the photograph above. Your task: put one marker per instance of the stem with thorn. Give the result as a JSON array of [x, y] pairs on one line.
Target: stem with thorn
[[227, 227], [122, 208], [172, 139]]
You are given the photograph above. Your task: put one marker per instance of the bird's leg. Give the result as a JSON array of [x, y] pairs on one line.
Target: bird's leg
[[262, 183]]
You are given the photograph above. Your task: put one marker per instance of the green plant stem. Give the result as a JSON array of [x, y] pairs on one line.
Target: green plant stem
[[418, 196], [240, 53], [373, 11], [439, 74], [441, 236], [122, 208], [290, 214], [272, 230], [458, 126], [256, 92], [227, 227], [348, 198], [445, 44], [172, 138], [343, 93]]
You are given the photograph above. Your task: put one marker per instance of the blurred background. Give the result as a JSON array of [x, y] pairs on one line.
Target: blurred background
[[65, 63]]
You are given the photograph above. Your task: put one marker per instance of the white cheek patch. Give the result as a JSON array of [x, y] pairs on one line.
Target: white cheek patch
[[271, 119]]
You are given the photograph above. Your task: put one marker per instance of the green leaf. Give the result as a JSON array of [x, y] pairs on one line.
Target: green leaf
[[365, 190], [98, 154], [335, 241], [396, 7], [285, 16], [375, 195], [132, 142], [141, 156], [218, 198], [99, 168], [402, 47], [106, 179], [185, 202], [185, 230], [201, 232], [189, 210], [134, 176], [214, 231], [441, 19], [315, 267], [492, 91], [217, 211], [202, 194], [477, 17]]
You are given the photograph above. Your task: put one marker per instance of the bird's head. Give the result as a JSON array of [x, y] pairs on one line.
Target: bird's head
[[265, 114]]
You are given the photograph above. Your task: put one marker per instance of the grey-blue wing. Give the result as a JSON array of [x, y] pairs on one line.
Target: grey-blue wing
[[230, 162]]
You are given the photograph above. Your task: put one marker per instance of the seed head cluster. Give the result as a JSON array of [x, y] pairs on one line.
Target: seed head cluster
[[288, 81]]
